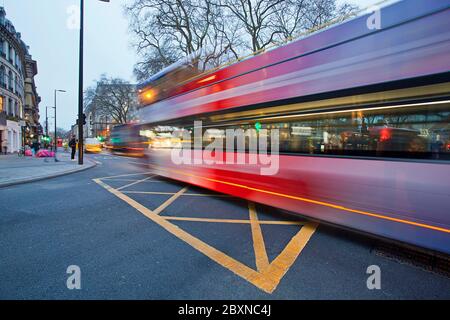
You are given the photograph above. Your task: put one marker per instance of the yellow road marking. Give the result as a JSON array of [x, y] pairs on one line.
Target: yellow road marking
[[266, 280], [130, 180], [126, 175], [287, 223], [262, 261], [321, 203], [169, 201], [211, 252], [278, 268], [149, 192], [184, 194], [133, 183], [208, 195]]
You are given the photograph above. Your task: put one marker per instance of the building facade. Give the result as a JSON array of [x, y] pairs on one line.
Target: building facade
[[19, 101], [33, 129], [98, 124]]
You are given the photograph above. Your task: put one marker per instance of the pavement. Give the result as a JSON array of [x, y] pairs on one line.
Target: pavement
[[134, 235], [17, 170]]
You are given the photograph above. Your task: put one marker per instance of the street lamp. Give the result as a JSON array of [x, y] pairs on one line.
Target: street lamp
[[80, 85], [56, 147]]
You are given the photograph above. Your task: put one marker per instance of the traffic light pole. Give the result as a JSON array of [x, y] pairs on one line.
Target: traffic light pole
[[81, 117], [46, 122], [80, 87]]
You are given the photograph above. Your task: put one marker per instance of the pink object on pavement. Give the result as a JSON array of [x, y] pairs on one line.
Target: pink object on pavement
[[28, 153], [45, 153]]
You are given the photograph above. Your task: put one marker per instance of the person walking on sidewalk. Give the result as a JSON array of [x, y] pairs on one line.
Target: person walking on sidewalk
[[73, 146], [35, 147]]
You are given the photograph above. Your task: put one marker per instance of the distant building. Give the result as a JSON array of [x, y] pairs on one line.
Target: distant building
[[97, 124], [19, 101], [32, 100]]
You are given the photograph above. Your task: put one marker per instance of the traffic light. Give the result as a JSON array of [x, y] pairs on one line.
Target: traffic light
[[83, 118]]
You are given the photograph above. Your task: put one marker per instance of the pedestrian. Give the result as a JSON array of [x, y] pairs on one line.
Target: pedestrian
[[35, 147], [31, 147], [73, 146]]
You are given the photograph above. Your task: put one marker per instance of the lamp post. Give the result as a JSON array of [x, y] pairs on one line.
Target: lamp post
[[55, 142], [80, 85]]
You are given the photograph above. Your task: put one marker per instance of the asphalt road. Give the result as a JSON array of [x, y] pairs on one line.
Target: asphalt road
[[136, 236]]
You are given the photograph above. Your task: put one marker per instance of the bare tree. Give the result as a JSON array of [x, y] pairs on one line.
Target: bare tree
[[153, 60], [112, 97], [319, 12], [256, 19], [300, 16], [166, 30], [291, 17], [216, 31], [266, 22]]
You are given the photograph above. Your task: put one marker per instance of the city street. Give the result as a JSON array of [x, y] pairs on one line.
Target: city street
[[139, 236], [224, 157]]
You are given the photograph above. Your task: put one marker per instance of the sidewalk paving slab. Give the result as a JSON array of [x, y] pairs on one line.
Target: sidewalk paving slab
[[17, 170]]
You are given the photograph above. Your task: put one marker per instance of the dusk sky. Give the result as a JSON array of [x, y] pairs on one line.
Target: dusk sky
[[44, 27]]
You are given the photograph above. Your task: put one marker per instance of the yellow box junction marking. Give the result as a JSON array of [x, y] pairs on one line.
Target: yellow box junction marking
[[184, 194], [133, 183], [169, 201], [262, 261], [266, 277], [286, 223]]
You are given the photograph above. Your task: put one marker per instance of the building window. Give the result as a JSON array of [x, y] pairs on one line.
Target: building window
[[2, 76], [17, 85], [11, 107], [2, 48], [11, 53], [1, 103], [10, 80]]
